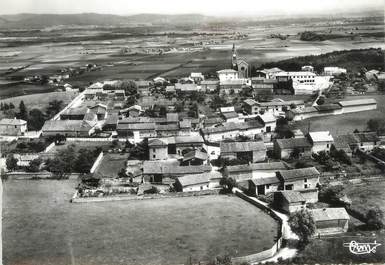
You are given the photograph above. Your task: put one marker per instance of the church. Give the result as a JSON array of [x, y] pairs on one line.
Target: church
[[239, 65]]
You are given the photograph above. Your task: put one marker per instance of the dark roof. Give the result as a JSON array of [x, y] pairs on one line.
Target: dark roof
[[156, 142], [67, 125], [229, 147], [195, 154], [344, 141], [265, 181], [75, 111], [367, 137], [299, 173], [230, 115], [258, 166], [231, 126], [135, 126], [159, 167], [326, 214], [291, 143], [292, 196], [328, 107], [357, 102], [193, 179], [112, 119]]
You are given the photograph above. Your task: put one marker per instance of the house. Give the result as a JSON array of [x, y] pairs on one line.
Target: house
[[231, 86], [227, 74], [254, 170], [275, 106], [304, 83], [100, 110], [250, 151], [367, 141], [263, 186], [231, 130], [231, 116], [289, 201], [24, 160], [372, 74], [13, 127], [143, 87], [262, 85], [209, 85], [346, 142], [268, 73], [170, 89], [134, 111], [194, 157], [159, 79], [136, 130], [190, 183], [155, 171], [357, 105], [157, 149], [269, 121], [186, 88], [334, 71], [111, 122], [320, 141], [299, 179], [69, 128], [330, 221], [197, 77], [307, 68], [74, 113], [285, 148]]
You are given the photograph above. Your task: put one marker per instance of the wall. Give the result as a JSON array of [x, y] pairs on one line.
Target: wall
[[321, 146], [97, 162], [158, 153]]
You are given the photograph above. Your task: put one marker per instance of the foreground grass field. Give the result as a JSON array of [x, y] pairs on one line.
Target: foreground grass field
[[40, 226]]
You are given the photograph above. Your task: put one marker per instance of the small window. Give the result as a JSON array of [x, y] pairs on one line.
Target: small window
[[267, 186], [327, 145], [305, 186], [305, 180], [153, 149], [153, 156]]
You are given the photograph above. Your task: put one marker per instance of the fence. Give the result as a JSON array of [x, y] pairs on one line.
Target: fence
[[269, 253], [89, 139]]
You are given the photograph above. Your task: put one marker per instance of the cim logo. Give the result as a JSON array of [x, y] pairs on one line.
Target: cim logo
[[362, 248]]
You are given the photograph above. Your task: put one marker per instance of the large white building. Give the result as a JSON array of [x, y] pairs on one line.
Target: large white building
[[335, 71], [227, 74]]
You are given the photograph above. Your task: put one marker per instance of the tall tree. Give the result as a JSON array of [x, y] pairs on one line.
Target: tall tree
[[23, 114], [11, 162], [302, 223], [54, 107], [36, 120]]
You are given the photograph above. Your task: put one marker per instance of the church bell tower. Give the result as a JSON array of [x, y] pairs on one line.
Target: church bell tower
[[234, 63]]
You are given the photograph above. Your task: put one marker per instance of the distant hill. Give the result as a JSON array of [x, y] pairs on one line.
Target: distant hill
[[39, 21], [349, 59]]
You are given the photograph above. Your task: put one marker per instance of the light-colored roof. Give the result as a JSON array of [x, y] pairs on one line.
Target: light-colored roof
[[326, 214], [250, 102], [295, 73], [231, 126], [13, 122], [265, 181], [229, 147], [230, 82], [226, 71], [357, 102], [67, 125], [268, 117], [321, 136], [193, 179], [156, 142], [195, 154], [163, 167], [210, 82]]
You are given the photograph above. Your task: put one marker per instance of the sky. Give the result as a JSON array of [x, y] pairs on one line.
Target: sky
[[206, 7]]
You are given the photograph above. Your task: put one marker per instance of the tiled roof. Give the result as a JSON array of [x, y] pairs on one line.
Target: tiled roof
[[258, 166], [136, 126], [156, 142], [67, 125], [195, 154], [230, 115], [299, 173], [291, 143], [231, 126], [12, 122], [292, 196], [326, 214], [367, 137], [229, 147], [328, 107], [193, 179], [322, 136], [357, 102], [265, 181], [250, 102], [159, 167]]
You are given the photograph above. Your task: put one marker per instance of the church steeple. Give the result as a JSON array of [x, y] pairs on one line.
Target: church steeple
[[234, 64]]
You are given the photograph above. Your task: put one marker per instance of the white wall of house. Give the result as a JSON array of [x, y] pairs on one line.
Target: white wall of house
[[158, 153], [197, 187], [321, 146]]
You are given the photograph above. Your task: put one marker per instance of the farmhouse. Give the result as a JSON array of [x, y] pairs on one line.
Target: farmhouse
[[330, 221], [209, 85], [254, 170], [250, 151], [277, 105], [13, 127], [321, 141], [158, 149], [230, 116], [285, 148], [367, 141], [230, 130], [111, 122], [69, 128], [335, 71], [198, 182], [227, 74], [346, 142], [74, 113], [268, 73], [197, 77], [357, 105], [195, 157], [263, 186], [100, 110], [231, 86], [299, 179], [289, 201], [304, 83], [186, 88]]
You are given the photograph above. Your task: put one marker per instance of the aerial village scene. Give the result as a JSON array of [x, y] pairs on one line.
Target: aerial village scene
[[190, 139]]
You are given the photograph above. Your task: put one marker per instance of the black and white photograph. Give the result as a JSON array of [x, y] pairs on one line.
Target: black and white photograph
[[145, 132]]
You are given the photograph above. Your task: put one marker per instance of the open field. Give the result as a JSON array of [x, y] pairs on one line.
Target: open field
[[366, 195], [42, 227], [111, 164], [77, 145], [345, 123]]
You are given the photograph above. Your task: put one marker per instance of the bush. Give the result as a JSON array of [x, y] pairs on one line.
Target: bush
[[374, 219]]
